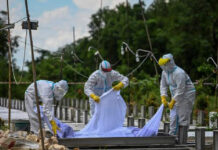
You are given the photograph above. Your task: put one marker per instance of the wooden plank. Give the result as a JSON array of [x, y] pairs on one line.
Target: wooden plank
[[119, 141]]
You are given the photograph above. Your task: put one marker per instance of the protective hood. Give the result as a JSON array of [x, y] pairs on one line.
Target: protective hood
[[105, 68], [60, 89], [169, 66]]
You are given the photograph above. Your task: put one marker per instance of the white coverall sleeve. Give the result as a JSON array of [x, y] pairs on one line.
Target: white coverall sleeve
[[116, 76], [90, 84], [181, 85], [163, 85]]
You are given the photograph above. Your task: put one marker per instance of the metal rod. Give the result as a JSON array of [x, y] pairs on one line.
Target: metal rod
[[34, 75], [9, 70]]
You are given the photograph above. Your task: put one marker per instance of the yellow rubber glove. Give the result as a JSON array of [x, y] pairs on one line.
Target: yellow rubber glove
[[54, 127], [95, 97], [118, 86], [171, 104], [164, 101]]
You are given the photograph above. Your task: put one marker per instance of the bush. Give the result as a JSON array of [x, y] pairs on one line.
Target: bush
[[3, 126], [202, 103], [152, 100], [214, 117]]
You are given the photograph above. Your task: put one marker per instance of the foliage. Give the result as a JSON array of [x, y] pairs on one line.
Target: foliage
[[214, 117], [187, 29], [201, 102], [151, 100], [140, 90], [2, 125]]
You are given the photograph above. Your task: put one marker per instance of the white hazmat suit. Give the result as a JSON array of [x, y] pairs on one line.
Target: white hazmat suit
[[100, 82], [47, 91], [182, 91]]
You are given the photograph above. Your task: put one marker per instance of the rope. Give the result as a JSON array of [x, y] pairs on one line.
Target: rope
[[139, 82], [139, 56], [128, 48], [74, 47], [138, 65], [114, 64], [34, 45], [51, 50], [20, 20], [211, 58], [147, 51], [77, 57], [75, 70], [96, 53], [24, 55], [11, 25], [7, 27]]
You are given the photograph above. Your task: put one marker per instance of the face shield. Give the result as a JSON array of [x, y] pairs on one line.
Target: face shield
[[163, 61], [164, 64]]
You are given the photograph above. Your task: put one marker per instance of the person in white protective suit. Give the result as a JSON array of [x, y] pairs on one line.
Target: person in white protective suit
[[101, 81], [47, 92], [182, 93]]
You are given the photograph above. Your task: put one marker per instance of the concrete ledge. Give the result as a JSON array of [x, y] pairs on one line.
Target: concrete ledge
[[156, 141], [140, 149]]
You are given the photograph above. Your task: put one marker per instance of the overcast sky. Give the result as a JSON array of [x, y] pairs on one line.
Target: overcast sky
[[56, 20]]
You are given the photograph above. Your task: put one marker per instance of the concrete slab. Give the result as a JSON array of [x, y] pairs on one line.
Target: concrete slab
[[141, 149], [157, 141], [15, 114]]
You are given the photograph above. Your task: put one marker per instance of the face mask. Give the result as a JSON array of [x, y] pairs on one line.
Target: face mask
[[166, 67], [104, 74]]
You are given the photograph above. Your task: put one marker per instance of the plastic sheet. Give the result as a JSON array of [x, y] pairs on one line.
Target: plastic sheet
[[65, 130], [109, 117], [108, 120], [151, 128]]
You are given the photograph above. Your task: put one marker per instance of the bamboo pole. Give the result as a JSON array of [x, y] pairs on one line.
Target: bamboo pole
[[148, 36], [216, 76], [9, 69], [34, 75]]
